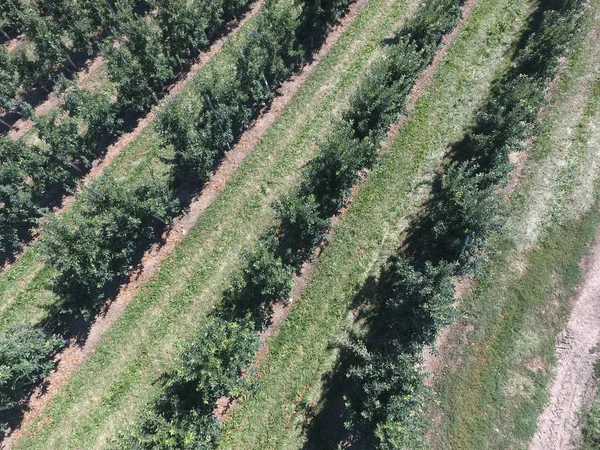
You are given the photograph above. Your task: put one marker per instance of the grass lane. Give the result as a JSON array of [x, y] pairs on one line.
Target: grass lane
[[299, 355], [106, 394], [492, 396]]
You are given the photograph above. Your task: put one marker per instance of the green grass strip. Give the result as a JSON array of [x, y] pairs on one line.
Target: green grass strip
[[299, 356], [492, 397], [119, 379]]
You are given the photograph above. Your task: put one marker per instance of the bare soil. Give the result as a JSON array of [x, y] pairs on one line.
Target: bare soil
[[558, 427]]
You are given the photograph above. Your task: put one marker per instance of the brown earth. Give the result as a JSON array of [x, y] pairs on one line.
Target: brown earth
[[558, 427]]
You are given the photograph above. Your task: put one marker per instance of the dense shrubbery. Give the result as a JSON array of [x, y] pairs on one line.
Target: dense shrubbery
[[202, 126], [25, 359], [303, 218], [94, 244], [54, 31], [209, 367]]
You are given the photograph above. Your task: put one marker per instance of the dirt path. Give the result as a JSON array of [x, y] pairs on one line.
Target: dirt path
[[75, 355], [559, 424], [100, 165], [280, 310]]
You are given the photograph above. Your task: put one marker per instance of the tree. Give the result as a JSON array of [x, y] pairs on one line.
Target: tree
[[138, 64], [25, 359], [209, 367], [265, 278], [301, 228], [94, 244], [333, 173]]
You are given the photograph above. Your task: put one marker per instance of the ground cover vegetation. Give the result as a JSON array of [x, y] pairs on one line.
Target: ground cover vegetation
[[414, 293], [492, 380], [36, 173], [303, 219], [94, 244]]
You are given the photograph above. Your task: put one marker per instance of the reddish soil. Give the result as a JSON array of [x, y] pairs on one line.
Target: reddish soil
[[558, 427], [13, 44]]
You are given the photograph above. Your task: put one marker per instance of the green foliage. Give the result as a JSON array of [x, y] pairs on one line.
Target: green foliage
[[265, 278], [188, 430], [416, 293], [94, 245], [434, 19], [26, 174], [200, 131], [463, 211], [381, 97], [415, 304], [183, 25], [25, 359], [138, 65], [389, 396], [95, 111], [269, 56], [210, 367], [317, 17], [387, 392], [333, 173], [556, 33], [53, 31], [301, 228], [9, 80], [73, 134], [202, 126]]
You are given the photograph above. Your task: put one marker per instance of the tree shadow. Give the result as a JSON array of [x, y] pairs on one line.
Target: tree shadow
[[434, 236]]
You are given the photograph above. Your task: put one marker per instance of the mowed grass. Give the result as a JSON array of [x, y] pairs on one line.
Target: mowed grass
[[108, 392], [300, 355], [499, 358]]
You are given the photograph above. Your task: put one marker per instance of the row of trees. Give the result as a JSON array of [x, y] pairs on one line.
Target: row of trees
[[94, 245], [74, 134], [54, 31], [415, 290], [266, 277], [217, 363]]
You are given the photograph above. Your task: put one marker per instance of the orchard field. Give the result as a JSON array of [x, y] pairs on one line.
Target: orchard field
[[310, 224]]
